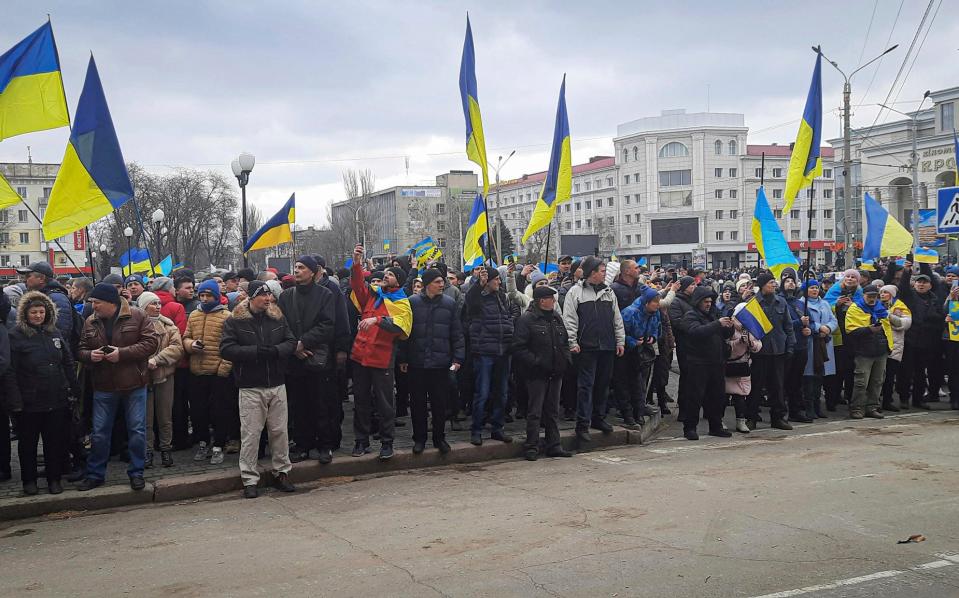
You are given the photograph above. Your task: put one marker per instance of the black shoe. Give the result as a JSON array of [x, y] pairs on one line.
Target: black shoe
[[665, 397], [780, 424], [690, 434], [137, 483], [418, 447], [520, 414], [476, 439], [148, 462], [751, 424], [531, 454], [282, 483], [386, 451], [508, 419], [250, 491], [499, 435], [298, 457], [30, 488], [664, 410], [54, 486], [802, 419], [326, 456], [922, 405], [443, 447], [76, 475], [166, 458], [399, 423], [569, 415], [603, 426], [89, 484], [583, 436], [890, 407], [649, 410], [831, 408], [719, 432], [360, 449], [558, 452]]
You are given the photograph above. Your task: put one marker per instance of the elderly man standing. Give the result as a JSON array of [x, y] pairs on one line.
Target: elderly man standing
[[116, 344], [869, 334], [596, 336]]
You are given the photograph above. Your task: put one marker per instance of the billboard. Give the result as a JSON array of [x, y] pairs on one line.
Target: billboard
[[579, 245], [928, 235], [672, 231], [421, 193]]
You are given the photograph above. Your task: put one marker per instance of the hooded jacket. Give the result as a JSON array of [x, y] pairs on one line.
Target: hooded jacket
[[173, 311], [245, 333], [638, 324], [541, 344], [65, 313], [706, 336], [169, 350], [782, 338], [42, 373], [491, 317], [136, 340]]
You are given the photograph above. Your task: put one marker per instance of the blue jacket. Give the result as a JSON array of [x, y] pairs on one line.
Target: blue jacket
[[639, 324], [436, 339]]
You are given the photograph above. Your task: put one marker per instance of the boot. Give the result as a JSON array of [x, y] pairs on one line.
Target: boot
[[890, 406], [690, 434], [716, 428], [741, 425]]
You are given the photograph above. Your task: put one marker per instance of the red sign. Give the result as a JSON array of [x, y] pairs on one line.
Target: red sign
[[803, 245], [80, 240]]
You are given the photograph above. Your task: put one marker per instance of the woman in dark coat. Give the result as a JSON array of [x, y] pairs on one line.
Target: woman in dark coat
[[39, 383]]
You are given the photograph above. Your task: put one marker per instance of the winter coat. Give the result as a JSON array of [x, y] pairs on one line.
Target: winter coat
[[310, 312], [169, 350], [593, 320], [541, 345], [742, 345], [705, 335], [342, 337], [244, 333], [135, 338], [832, 297], [781, 338], [796, 308], [900, 325], [667, 342], [626, 294], [208, 327], [375, 346], [173, 311], [65, 313], [42, 373], [491, 318], [677, 309], [820, 314], [638, 324], [861, 339], [928, 315], [436, 340]]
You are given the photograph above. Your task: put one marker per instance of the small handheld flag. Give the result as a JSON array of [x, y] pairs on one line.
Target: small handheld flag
[[751, 315], [805, 164], [277, 230], [926, 256], [885, 237]]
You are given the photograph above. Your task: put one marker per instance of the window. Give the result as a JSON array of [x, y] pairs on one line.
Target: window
[[827, 193], [734, 235], [579, 224], [627, 200], [609, 181], [599, 183], [733, 194], [810, 193], [827, 173], [635, 153], [22, 192], [441, 241], [733, 214], [732, 147], [22, 215], [610, 220], [5, 238], [718, 146], [589, 204], [947, 116], [827, 214], [719, 214], [673, 149], [778, 213], [589, 223], [579, 206], [636, 217], [759, 173], [629, 240], [567, 207], [639, 239], [569, 225], [675, 199], [719, 235], [46, 192], [777, 193], [812, 233], [609, 202], [4, 260], [629, 219], [812, 213], [529, 197], [24, 238], [24, 260], [718, 193], [625, 155], [794, 213], [827, 233], [794, 235], [717, 172], [441, 208], [576, 188], [732, 172], [441, 226], [777, 173], [4, 216], [674, 178], [626, 180], [587, 185]]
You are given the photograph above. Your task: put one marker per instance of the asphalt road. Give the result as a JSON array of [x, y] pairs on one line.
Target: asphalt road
[[813, 512]]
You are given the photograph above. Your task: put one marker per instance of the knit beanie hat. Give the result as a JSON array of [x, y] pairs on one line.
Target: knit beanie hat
[[209, 286], [146, 298], [257, 288], [590, 264], [430, 275], [685, 281], [162, 283], [763, 279], [536, 276], [309, 262], [891, 289], [399, 273], [106, 292], [112, 279]]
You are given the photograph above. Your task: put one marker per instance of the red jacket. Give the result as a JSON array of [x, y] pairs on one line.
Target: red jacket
[[374, 347], [171, 309]]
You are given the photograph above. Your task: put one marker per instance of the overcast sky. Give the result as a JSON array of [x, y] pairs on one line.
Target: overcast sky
[[313, 88]]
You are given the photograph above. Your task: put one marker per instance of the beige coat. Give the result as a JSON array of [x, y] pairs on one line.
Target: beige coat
[[169, 351], [209, 328]]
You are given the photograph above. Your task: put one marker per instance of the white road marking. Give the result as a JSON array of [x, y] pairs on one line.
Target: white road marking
[[852, 477], [933, 565]]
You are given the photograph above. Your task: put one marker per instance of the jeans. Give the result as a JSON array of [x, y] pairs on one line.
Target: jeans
[[492, 376], [105, 405], [595, 371]]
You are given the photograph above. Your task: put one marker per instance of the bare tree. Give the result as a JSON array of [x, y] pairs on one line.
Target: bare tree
[[359, 186]]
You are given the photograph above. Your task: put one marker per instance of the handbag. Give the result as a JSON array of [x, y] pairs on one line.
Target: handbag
[[317, 362]]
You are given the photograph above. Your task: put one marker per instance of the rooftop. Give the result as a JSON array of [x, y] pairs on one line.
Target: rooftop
[[670, 120], [595, 163]]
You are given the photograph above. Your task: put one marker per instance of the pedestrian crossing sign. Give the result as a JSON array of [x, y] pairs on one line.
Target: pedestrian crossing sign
[[948, 217]]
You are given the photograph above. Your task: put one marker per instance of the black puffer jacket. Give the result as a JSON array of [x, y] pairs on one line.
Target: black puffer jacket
[[541, 344], [928, 314], [309, 311], [491, 321], [42, 373], [705, 337], [244, 333], [342, 337], [781, 339], [677, 309], [436, 340], [625, 294]]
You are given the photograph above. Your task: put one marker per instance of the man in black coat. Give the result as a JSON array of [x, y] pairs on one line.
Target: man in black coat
[[768, 366], [541, 349], [310, 312], [922, 363], [435, 347], [342, 341], [706, 335]]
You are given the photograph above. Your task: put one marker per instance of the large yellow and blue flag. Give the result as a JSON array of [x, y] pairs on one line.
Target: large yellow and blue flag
[[93, 179], [8, 197], [277, 229], [769, 237], [31, 86], [753, 318], [476, 233], [558, 185], [475, 142], [885, 237], [136, 260], [805, 164]]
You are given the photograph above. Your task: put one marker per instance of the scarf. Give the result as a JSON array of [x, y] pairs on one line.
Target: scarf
[[877, 312]]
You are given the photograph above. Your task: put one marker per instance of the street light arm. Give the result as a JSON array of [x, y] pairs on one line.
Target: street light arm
[[819, 51], [888, 50]]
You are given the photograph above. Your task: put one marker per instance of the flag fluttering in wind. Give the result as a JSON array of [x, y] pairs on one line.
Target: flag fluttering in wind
[[926, 256], [136, 260], [753, 318], [277, 229], [425, 252], [8, 197], [805, 164], [769, 238], [885, 237], [476, 232], [93, 179], [165, 267], [558, 185], [475, 142], [31, 86]]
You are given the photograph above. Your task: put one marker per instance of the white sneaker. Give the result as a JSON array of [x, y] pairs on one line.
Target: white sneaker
[[202, 454], [741, 425], [217, 457]]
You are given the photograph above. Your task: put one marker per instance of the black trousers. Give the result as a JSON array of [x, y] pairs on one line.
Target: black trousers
[[429, 385], [181, 409], [568, 392], [54, 428], [767, 374], [891, 382], [543, 410], [793, 382], [5, 451], [631, 378], [660, 375], [373, 387], [315, 410], [840, 385], [922, 369], [402, 392], [952, 364], [705, 389], [210, 398], [592, 386]]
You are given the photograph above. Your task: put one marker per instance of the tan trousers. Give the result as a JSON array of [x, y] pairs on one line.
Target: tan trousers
[[160, 405], [259, 407]]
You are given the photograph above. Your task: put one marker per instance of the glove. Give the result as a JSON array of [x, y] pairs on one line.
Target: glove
[[266, 351]]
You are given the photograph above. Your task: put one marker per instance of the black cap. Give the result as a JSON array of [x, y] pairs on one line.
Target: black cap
[[256, 288], [38, 267], [923, 277], [563, 258], [543, 291]]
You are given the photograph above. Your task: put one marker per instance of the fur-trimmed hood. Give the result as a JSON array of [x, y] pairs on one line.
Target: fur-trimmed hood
[[49, 321], [242, 311]]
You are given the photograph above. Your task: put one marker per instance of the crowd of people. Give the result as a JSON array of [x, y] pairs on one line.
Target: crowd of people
[[263, 363]]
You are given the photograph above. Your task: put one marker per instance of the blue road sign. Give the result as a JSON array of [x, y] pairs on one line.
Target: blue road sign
[[948, 217]]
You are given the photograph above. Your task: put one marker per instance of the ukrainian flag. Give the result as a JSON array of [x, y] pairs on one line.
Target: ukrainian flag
[[769, 238], [31, 86], [805, 164], [926, 256], [93, 179], [277, 230], [8, 197], [165, 266], [559, 178], [885, 237], [476, 233], [475, 142], [753, 318], [136, 260], [425, 251]]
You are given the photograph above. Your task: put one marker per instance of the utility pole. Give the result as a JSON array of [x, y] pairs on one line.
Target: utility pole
[[500, 163]]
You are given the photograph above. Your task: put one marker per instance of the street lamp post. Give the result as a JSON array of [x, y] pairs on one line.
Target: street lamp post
[[242, 167], [103, 253], [157, 218], [915, 166], [846, 157], [128, 233], [500, 163], [93, 266]]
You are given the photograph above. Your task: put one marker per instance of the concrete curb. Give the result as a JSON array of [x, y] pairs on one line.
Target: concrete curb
[[208, 484]]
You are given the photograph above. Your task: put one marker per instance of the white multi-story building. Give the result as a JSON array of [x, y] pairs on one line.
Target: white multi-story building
[[21, 236]]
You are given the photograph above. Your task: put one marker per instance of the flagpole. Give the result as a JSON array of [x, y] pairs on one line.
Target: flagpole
[[55, 241], [489, 234], [549, 234], [762, 181], [812, 202]]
